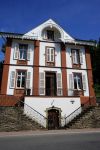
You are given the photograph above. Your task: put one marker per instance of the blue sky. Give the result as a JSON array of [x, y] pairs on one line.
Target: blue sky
[[80, 18]]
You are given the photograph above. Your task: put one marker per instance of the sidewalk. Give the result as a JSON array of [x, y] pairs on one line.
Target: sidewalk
[[49, 132]]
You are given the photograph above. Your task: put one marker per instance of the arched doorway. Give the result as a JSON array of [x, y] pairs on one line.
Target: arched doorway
[[54, 116]]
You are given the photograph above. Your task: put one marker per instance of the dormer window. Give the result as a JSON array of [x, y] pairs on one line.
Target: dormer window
[[50, 35]]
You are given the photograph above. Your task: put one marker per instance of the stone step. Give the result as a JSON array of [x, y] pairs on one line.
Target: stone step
[[88, 119], [13, 119]]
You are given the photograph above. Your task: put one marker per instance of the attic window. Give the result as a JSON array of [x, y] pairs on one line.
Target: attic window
[[50, 35]]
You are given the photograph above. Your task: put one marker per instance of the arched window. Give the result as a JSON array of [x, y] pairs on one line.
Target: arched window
[[51, 33]]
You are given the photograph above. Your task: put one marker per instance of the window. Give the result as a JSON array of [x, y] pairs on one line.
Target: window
[[75, 56], [77, 81], [23, 51], [50, 54], [50, 35], [21, 79]]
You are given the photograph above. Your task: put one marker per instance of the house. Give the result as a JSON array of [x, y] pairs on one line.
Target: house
[[51, 70]]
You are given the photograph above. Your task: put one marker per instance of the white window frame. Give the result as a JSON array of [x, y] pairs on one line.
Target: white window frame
[[20, 79], [75, 57], [23, 51], [77, 78], [50, 54]]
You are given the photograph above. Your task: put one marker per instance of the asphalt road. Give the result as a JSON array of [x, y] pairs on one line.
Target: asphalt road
[[58, 141]]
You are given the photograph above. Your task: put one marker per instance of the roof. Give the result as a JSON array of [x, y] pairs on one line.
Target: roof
[[16, 35], [35, 34]]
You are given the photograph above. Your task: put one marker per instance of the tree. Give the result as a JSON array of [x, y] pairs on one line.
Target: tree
[[95, 57]]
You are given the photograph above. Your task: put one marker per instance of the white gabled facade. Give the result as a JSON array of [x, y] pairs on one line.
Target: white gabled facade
[[49, 66], [40, 32]]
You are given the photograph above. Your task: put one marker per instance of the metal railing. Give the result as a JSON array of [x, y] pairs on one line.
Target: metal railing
[[33, 114], [42, 120], [77, 112]]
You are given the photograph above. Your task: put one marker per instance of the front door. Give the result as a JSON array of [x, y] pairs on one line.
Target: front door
[[50, 84], [53, 119]]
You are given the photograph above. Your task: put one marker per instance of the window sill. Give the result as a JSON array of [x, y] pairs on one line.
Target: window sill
[[20, 61], [76, 65], [78, 92], [18, 88]]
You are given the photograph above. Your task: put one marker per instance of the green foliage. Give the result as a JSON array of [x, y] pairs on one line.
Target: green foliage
[[97, 90], [95, 58]]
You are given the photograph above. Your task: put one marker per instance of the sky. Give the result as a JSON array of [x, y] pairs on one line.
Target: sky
[[79, 18]]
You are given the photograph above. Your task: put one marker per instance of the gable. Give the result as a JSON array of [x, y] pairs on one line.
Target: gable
[[40, 32]]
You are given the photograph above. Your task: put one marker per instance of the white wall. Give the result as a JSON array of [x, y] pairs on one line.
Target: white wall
[[84, 72], [10, 91], [41, 104], [57, 53]]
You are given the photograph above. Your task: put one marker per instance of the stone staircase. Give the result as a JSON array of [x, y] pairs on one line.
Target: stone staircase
[[13, 119], [90, 118]]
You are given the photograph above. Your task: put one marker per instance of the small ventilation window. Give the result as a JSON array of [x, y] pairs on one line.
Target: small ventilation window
[[50, 35]]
